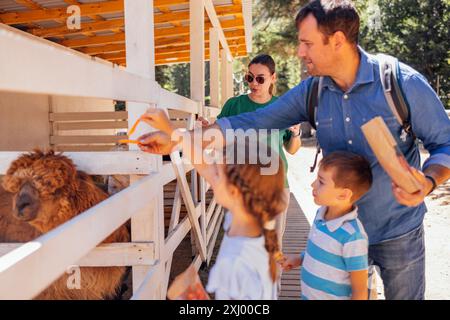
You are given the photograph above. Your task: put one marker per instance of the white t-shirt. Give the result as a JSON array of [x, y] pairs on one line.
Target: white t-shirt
[[242, 269]]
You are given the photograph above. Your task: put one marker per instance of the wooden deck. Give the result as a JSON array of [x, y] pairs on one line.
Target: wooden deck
[[294, 241]]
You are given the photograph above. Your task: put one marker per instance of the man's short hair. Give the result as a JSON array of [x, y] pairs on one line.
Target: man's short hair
[[332, 16], [350, 171]]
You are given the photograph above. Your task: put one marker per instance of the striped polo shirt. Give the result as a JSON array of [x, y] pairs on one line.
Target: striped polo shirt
[[334, 249]]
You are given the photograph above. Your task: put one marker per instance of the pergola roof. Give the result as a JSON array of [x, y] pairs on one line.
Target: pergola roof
[[102, 31]]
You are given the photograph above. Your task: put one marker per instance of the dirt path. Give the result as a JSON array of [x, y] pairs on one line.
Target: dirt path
[[436, 223]]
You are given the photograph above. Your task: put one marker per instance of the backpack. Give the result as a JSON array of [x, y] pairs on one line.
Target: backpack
[[392, 89]]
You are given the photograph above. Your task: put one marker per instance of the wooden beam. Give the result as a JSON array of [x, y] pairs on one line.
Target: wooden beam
[[159, 33], [234, 38], [87, 9], [103, 25], [167, 55]]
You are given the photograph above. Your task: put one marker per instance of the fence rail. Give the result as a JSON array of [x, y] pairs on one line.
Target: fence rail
[[52, 69]]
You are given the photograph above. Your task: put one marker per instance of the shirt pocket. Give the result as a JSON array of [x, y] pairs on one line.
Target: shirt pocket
[[324, 127]]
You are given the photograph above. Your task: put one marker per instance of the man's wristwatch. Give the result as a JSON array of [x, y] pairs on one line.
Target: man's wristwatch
[[433, 182]]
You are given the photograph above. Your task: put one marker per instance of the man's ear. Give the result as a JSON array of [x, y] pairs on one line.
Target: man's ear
[[339, 39]]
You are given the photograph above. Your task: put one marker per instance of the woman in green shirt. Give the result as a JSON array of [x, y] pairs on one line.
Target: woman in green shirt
[[261, 78]]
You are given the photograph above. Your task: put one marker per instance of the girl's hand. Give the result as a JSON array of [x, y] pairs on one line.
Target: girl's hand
[[158, 119], [156, 142]]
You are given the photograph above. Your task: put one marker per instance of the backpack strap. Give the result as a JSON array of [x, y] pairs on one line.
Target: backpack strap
[[390, 80], [314, 90]]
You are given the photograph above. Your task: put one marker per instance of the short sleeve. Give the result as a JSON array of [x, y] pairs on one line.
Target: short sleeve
[[232, 279], [225, 112], [355, 253]]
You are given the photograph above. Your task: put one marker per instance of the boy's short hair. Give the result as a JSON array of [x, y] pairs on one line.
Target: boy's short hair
[[351, 171]]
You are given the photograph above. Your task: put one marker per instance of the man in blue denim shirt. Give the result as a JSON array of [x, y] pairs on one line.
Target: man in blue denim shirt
[[352, 95]]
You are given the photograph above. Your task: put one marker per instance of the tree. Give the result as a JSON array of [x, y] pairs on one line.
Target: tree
[[415, 31]]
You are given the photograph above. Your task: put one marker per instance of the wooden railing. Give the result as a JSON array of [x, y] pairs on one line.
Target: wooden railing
[[23, 273]]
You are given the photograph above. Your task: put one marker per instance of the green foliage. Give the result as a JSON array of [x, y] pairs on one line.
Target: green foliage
[[415, 31]]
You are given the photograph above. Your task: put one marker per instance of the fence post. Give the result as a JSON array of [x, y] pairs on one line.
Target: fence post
[[148, 224]]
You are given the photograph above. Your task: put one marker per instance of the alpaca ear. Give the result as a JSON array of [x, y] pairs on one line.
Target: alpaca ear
[[11, 184]]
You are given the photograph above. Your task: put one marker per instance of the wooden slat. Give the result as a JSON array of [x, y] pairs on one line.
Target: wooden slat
[[82, 116], [85, 139], [97, 26], [103, 163], [85, 148], [92, 125], [159, 33], [108, 254]]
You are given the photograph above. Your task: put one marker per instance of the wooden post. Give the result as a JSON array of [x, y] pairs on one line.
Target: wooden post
[[197, 81], [214, 66], [226, 78], [148, 224]]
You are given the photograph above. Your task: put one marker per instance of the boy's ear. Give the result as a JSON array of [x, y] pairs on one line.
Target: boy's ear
[[345, 194]]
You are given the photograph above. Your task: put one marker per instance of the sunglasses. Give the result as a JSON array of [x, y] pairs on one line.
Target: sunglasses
[[249, 78]]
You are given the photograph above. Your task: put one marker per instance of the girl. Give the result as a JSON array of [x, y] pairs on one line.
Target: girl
[[245, 267], [261, 78]]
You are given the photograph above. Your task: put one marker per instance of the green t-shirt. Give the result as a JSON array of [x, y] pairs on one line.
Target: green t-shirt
[[242, 104]]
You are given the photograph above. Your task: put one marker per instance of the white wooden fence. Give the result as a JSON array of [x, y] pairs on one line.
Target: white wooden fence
[[32, 65]]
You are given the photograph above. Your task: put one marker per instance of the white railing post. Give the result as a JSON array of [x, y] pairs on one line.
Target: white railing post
[[146, 225], [197, 81], [214, 66]]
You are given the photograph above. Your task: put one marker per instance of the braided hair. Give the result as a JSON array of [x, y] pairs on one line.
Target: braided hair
[[263, 197]]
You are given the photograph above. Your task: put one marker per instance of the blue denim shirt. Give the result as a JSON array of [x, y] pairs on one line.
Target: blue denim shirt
[[339, 119]]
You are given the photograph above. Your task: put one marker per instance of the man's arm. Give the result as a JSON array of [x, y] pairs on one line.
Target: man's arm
[[286, 111], [431, 124]]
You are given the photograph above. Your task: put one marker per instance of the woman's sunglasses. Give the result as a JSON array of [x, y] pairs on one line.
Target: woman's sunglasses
[[249, 78]]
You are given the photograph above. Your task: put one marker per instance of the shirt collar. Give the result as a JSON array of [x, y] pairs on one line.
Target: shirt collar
[[335, 224], [364, 75]]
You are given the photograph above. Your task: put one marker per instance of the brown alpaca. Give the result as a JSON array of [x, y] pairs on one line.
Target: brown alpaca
[[47, 191]]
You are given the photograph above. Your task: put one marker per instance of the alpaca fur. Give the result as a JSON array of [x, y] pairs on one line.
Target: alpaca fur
[[61, 193]]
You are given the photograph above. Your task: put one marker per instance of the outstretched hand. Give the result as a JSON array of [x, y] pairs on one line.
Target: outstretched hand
[[157, 118], [157, 142]]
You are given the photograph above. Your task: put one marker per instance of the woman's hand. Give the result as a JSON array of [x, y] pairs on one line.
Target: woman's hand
[[203, 121], [295, 130], [158, 119]]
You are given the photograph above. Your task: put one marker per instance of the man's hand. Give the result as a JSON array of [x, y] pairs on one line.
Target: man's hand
[[158, 119], [156, 142], [416, 198]]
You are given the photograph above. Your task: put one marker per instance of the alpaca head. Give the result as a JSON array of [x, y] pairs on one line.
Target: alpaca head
[[40, 183]]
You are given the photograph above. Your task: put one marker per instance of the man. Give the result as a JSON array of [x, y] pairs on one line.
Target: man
[[352, 94]]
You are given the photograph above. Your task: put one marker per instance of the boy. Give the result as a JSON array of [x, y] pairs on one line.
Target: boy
[[335, 263]]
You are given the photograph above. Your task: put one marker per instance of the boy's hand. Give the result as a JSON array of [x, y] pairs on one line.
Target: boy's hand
[[289, 262], [158, 119], [156, 142]]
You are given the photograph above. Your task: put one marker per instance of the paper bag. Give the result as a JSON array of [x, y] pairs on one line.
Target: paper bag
[[389, 155]]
